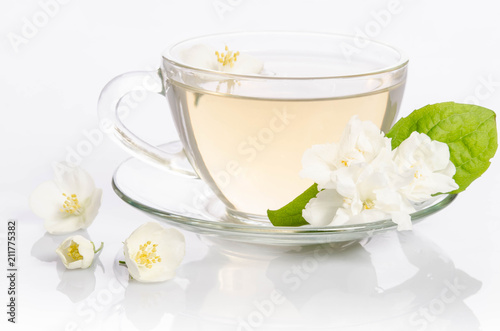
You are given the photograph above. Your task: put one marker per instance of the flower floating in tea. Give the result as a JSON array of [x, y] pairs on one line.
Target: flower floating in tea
[[369, 177], [205, 57], [228, 58]]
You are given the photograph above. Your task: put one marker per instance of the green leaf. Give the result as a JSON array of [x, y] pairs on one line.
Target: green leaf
[[469, 130], [291, 214]]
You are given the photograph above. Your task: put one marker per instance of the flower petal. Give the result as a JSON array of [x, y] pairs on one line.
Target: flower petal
[[245, 65], [368, 216], [390, 200], [171, 248], [439, 157], [62, 252], [74, 180], [91, 206], [350, 135], [361, 141], [86, 249], [46, 201], [347, 178], [133, 268], [200, 56], [403, 220], [318, 164], [439, 183], [450, 170], [321, 210], [427, 163], [64, 224], [342, 217]]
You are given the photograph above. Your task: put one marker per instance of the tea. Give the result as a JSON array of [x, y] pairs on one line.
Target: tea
[[249, 150]]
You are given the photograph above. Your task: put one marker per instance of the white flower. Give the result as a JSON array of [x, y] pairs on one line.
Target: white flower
[[361, 180], [361, 142], [76, 252], [321, 210], [205, 57], [318, 164], [69, 202], [153, 253], [428, 164], [365, 193]]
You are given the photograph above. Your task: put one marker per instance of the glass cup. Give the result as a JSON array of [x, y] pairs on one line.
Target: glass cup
[[244, 134]]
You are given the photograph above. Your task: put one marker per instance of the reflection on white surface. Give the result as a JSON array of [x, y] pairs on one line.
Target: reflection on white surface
[[76, 284], [343, 288], [44, 248], [239, 286], [145, 306], [150, 305]]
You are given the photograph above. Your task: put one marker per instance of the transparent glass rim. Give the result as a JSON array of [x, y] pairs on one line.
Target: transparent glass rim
[[167, 56]]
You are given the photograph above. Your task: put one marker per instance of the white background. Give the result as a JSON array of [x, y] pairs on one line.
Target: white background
[[50, 79]]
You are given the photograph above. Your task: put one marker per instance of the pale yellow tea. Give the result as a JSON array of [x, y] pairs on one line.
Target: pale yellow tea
[[251, 148]]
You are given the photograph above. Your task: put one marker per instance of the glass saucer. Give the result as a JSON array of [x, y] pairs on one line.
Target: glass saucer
[[189, 204]]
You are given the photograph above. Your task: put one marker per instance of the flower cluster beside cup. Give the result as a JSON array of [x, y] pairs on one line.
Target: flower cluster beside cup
[[71, 202]]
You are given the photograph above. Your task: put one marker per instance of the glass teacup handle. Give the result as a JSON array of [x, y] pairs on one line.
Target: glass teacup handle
[[173, 158]]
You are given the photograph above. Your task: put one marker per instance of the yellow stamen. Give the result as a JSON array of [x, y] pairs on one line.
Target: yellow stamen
[[347, 203], [146, 256], [228, 58], [344, 162], [71, 205], [73, 251], [368, 204]]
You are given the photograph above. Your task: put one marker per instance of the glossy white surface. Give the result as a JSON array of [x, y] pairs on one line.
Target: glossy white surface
[[445, 275]]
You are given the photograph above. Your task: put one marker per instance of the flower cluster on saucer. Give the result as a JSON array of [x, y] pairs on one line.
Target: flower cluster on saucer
[[361, 179]]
